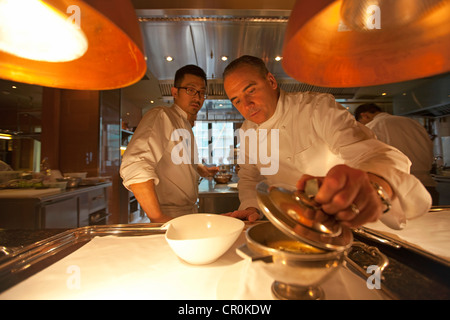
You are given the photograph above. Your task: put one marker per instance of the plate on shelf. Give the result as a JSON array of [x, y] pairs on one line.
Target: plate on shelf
[[233, 185]]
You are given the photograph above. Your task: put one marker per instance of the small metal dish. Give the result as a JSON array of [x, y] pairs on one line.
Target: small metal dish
[[222, 178], [296, 220], [72, 182]]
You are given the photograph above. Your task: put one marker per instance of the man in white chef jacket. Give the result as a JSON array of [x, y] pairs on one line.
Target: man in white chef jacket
[[318, 137], [160, 163], [405, 134]]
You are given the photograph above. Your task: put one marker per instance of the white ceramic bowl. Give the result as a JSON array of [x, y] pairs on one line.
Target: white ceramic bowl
[[202, 238]]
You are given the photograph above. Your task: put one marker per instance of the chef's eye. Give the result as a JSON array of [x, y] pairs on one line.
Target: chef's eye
[[192, 92]]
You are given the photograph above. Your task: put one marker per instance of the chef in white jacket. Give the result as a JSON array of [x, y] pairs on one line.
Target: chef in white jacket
[[160, 163], [310, 134], [405, 134]]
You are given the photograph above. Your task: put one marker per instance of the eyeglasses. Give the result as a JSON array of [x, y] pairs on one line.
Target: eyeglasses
[[192, 92]]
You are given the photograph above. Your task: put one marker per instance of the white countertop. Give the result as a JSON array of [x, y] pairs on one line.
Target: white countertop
[[146, 268]]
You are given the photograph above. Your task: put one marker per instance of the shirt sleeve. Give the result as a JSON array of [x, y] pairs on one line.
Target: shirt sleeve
[[146, 148]]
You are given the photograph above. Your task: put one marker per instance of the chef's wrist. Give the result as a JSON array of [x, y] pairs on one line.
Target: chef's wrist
[[383, 190]]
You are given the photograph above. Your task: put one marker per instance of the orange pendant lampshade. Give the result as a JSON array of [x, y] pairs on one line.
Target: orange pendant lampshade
[[354, 43], [85, 45]]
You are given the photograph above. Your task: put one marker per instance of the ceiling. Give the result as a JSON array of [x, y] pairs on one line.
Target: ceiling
[[197, 32], [200, 32]]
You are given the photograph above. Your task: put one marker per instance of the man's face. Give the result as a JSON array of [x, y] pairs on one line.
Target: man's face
[[366, 117], [253, 95], [190, 104]]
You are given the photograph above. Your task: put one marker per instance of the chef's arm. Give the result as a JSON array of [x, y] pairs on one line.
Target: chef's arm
[[146, 196]]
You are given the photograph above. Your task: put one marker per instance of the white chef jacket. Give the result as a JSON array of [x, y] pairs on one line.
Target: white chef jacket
[[411, 138], [315, 134], [149, 155]]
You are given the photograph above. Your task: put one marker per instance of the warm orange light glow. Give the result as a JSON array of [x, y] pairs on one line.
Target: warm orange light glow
[[41, 33], [318, 51], [114, 58]]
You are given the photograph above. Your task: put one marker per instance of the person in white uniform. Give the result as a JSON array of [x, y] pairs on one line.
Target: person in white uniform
[[405, 134], [160, 163], [319, 138]]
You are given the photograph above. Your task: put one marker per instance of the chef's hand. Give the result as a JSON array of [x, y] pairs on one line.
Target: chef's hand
[[250, 214], [343, 187], [205, 171]]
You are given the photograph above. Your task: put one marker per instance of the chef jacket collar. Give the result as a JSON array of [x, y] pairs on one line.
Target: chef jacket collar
[[180, 111], [269, 123]]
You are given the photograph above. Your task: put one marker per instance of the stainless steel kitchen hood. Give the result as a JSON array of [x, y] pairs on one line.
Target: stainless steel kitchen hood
[[213, 38], [431, 99]]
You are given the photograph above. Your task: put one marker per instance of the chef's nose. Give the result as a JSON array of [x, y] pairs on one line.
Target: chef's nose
[[248, 103]]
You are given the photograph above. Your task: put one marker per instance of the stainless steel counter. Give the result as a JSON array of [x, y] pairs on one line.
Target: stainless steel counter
[[218, 198], [53, 208]]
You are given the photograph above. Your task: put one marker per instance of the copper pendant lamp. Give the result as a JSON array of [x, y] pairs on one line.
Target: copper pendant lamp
[[355, 43], [99, 49]]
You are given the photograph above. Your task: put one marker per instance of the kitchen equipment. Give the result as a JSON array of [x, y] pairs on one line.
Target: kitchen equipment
[[313, 245], [6, 176], [71, 182], [81, 175], [62, 185], [222, 178], [298, 274], [202, 238]]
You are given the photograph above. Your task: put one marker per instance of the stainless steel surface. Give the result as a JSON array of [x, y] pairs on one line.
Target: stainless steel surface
[[217, 198], [370, 235], [440, 208]]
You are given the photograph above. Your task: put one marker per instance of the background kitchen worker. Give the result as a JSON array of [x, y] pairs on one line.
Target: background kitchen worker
[[408, 136], [318, 137]]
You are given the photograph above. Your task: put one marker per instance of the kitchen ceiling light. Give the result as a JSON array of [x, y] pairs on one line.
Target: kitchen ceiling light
[[323, 48], [91, 44]]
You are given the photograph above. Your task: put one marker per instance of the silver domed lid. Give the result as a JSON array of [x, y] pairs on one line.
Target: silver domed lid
[[297, 215]]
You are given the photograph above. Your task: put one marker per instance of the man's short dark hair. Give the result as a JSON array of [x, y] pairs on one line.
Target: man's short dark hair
[[368, 107], [189, 69], [247, 60]]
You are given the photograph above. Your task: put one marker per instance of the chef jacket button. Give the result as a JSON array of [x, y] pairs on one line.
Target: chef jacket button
[[289, 158]]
